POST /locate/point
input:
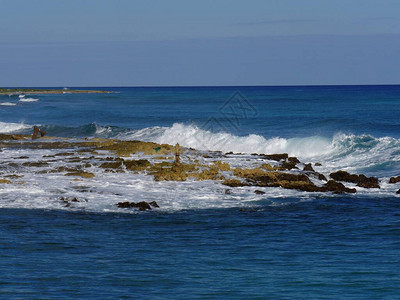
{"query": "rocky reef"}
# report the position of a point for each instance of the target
(85, 159)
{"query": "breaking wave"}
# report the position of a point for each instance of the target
(13, 127)
(352, 152)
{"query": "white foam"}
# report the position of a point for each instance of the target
(12, 127)
(8, 104)
(193, 136)
(28, 100)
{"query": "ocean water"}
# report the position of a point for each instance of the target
(200, 244)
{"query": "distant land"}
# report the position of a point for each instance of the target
(4, 91)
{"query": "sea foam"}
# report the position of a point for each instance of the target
(13, 127)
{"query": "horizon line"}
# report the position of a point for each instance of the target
(199, 86)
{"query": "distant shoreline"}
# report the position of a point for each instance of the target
(50, 91)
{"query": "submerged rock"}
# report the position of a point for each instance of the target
(258, 192)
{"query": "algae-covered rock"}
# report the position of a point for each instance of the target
(136, 165)
(211, 173)
(234, 183)
(175, 173)
(81, 174)
(112, 165)
(35, 164)
(222, 166)
(127, 148)
(11, 137)
(5, 181)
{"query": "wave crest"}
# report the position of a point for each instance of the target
(13, 127)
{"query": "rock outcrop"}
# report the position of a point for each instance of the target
(142, 206)
(394, 179)
(360, 180)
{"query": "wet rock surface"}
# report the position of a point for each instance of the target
(360, 180)
(394, 179)
(142, 206)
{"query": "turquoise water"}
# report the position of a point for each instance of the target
(285, 245)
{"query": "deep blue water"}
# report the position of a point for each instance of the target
(344, 247)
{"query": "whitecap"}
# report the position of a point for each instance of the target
(28, 100)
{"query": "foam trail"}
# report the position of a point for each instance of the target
(28, 100)
(7, 104)
(13, 127)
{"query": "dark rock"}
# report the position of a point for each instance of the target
(154, 204)
(317, 164)
(394, 179)
(258, 192)
(368, 182)
(137, 165)
(336, 187)
(293, 159)
(288, 165)
(308, 167)
(234, 183)
(360, 180)
(35, 164)
(143, 205)
(398, 192)
(322, 177)
(228, 191)
(276, 157)
(111, 165)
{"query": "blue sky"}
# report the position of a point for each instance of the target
(146, 43)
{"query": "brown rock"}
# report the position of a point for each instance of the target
(336, 187)
(233, 183)
(394, 179)
(322, 177)
(276, 157)
(308, 167)
(360, 180)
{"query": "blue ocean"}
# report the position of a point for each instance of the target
(204, 242)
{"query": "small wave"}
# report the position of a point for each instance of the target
(28, 100)
(7, 104)
(13, 127)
